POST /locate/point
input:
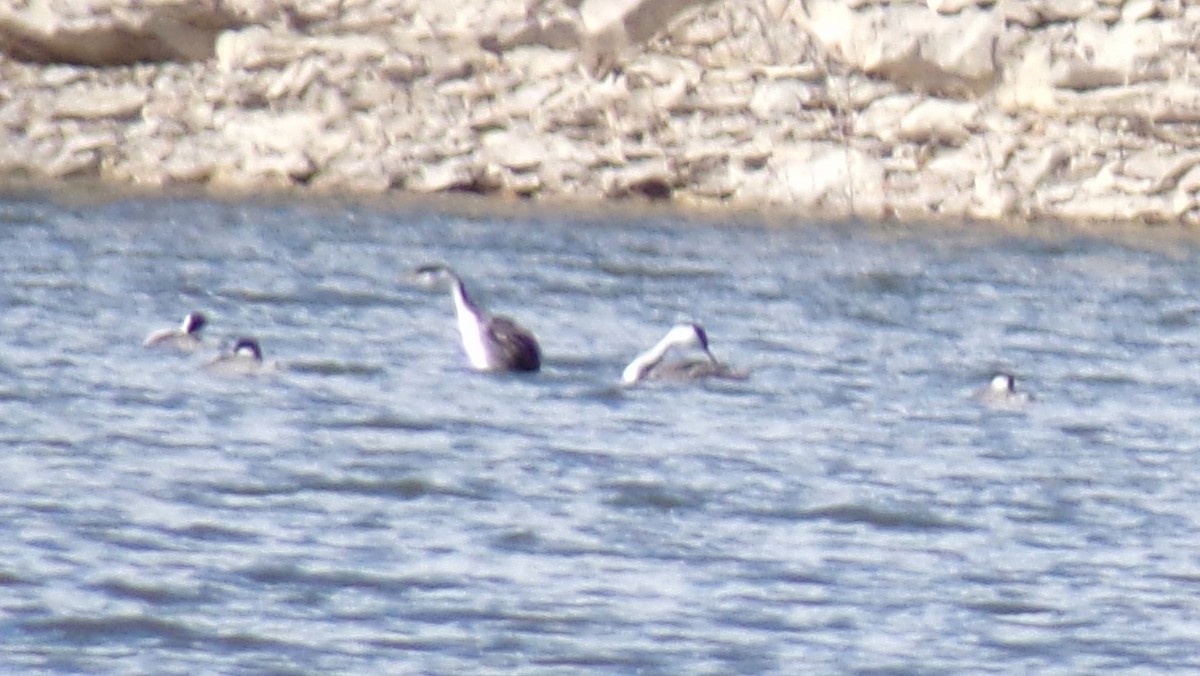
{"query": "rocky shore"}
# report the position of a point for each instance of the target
(1077, 110)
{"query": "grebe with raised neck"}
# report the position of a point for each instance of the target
(185, 337)
(492, 342)
(1002, 389)
(649, 365)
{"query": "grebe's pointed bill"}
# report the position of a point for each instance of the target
(649, 365)
(185, 338)
(492, 343)
(1002, 390)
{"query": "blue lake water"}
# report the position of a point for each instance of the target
(374, 506)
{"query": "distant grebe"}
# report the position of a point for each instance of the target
(244, 357)
(1002, 389)
(492, 342)
(649, 365)
(184, 338)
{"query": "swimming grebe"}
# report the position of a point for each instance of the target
(244, 357)
(1002, 389)
(184, 338)
(649, 364)
(492, 342)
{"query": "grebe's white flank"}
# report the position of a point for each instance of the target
(492, 342)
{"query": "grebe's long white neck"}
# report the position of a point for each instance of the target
(491, 343)
(471, 324)
(681, 335)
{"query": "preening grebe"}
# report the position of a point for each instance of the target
(492, 343)
(649, 365)
(184, 338)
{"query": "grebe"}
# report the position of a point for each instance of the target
(492, 342)
(245, 357)
(1002, 389)
(184, 338)
(649, 364)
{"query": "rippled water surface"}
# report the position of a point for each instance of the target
(376, 507)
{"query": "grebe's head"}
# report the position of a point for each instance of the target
(688, 334)
(247, 348)
(1003, 383)
(434, 272)
(193, 322)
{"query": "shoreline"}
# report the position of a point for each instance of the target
(84, 192)
(948, 110)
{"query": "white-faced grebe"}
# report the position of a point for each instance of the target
(492, 342)
(649, 365)
(186, 337)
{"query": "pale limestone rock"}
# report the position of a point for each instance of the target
(539, 64)
(98, 141)
(1189, 182)
(651, 178)
(1136, 10)
(992, 199)
(1102, 56)
(909, 45)
(294, 79)
(258, 47)
(613, 27)
(1134, 208)
(189, 164)
(1175, 101)
(67, 164)
(270, 133)
(157, 30)
(61, 76)
(519, 153)
(773, 99)
(90, 104)
(829, 177)
(957, 169)
(637, 20)
(1160, 170)
(951, 6)
(658, 69)
(1030, 173)
(1086, 117)
(1064, 10)
(560, 31)
(881, 118)
(251, 171)
(356, 175)
(939, 121)
(455, 173)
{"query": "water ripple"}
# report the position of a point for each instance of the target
(378, 507)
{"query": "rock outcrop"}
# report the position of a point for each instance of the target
(985, 109)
